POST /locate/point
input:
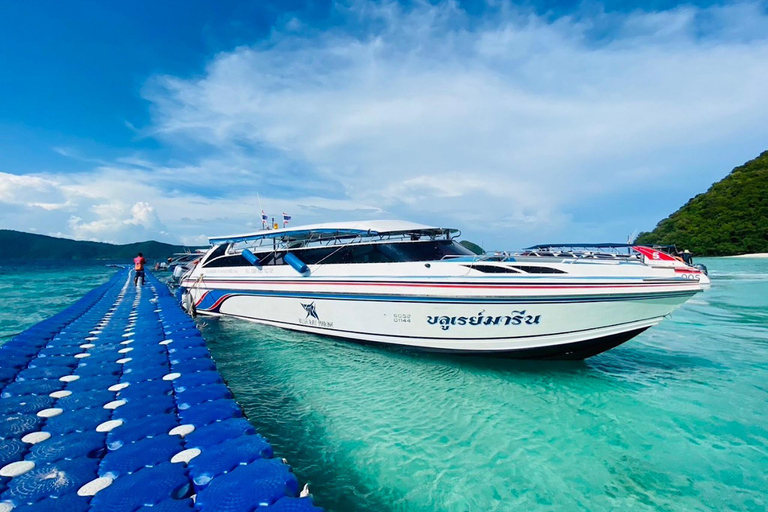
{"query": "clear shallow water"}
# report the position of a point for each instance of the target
(32, 292)
(676, 419)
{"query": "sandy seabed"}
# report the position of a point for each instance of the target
(753, 255)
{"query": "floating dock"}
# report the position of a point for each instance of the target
(115, 405)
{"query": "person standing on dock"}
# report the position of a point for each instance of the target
(138, 267)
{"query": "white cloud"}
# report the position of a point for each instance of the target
(139, 221)
(31, 191)
(519, 114)
(69, 208)
(510, 125)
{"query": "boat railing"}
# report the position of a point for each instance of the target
(277, 244)
(600, 251)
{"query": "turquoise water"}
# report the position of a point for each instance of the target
(676, 419)
(33, 292)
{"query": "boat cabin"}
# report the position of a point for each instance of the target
(340, 244)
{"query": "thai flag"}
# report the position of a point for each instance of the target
(263, 219)
(286, 219)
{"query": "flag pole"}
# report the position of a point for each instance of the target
(261, 213)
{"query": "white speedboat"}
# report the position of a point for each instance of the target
(412, 285)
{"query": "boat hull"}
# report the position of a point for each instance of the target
(547, 327)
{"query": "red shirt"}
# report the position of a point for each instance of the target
(138, 262)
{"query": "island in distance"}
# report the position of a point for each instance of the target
(17, 245)
(731, 218)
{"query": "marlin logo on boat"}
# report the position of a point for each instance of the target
(312, 317)
(514, 318)
(310, 309)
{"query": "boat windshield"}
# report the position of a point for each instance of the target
(381, 252)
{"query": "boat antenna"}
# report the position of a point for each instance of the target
(631, 240)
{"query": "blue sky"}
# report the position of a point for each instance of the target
(517, 122)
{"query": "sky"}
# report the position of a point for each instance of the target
(517, 122)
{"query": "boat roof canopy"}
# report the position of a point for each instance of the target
(337, 230)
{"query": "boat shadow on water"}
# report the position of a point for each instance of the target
(621, 363)
(650, 361)
(631, 359)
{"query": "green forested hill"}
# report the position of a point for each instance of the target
(16, 245)
(729, 218)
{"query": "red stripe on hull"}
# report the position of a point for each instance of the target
(201, 298)
(438, 285)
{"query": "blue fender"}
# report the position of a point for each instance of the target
(298, 265)
(252, 259)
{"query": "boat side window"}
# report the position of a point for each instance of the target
(220, 250)
(272, 258)
(316, 255)
(433, 250)
(531, 269)
(492, 269)
(369, 253)
(429, 250)
(233, 260)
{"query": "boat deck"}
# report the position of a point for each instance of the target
(115, 405)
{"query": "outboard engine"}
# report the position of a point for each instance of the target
(701, 267)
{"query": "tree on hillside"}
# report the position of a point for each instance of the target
(729, 218)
